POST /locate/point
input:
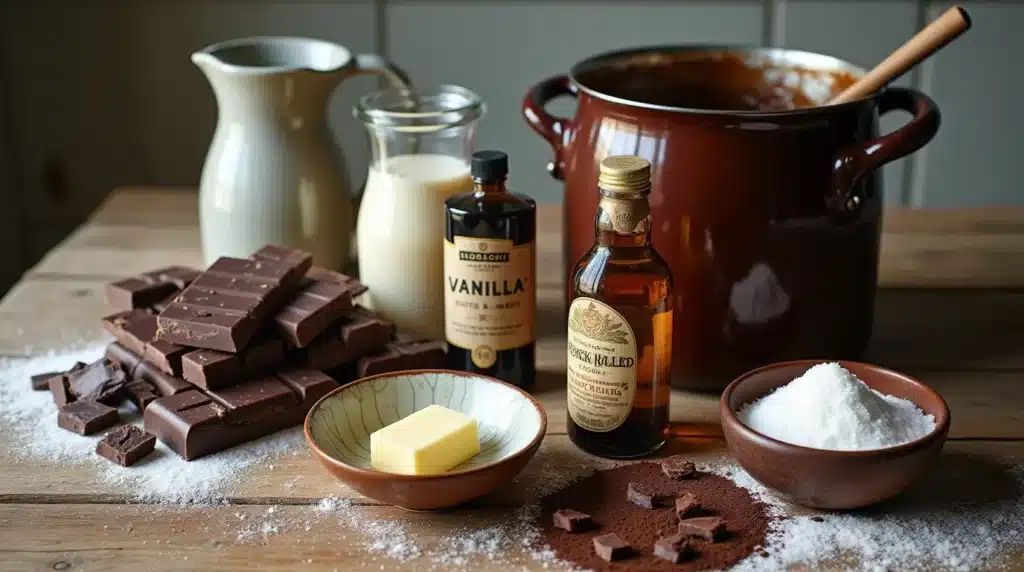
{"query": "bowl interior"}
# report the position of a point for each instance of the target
(341, 424)
(761, 382)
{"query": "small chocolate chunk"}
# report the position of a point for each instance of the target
(141, 394)
(678, 468)
(126, 445)
(59, 390)
(817, 519)
(706, 527)
(571, 520)
(686, 505)
(99, 381)
(609, 547)
(41, 381)
(675, 548)
(86, 417)
(644, 497)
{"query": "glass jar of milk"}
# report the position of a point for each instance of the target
(422, 141)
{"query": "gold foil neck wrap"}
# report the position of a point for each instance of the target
(625, 174)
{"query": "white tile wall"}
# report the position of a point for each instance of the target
(106, 91)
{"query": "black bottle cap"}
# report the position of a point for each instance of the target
(489, 165)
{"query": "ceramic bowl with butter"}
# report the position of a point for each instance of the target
(510, 427)
(831, 479)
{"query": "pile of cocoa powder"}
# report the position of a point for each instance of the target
(603, 496)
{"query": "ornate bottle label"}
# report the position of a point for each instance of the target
(489, 296)
(601, 366)
(625, 214)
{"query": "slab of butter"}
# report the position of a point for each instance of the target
(428, 442)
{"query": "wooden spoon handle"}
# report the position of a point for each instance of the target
(934, 36)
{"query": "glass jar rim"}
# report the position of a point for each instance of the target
(420, 110)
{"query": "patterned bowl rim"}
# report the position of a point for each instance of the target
(373, 473)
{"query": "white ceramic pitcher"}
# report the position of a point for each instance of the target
(274, 173)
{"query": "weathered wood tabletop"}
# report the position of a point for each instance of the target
(950, 310)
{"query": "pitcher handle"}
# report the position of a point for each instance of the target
(378, 65)
(556, 130)
(855, 161)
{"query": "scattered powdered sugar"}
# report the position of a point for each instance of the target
(967, 513)
(30, 420)
(837, 411)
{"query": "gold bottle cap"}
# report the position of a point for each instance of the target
(625, 174)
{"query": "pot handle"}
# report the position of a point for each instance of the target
(857, 160)
(556, 130)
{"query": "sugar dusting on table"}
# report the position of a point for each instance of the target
(968, 513)
(31, 434)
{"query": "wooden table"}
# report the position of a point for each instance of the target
(950, 310)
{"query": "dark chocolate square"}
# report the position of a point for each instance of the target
(571, 520)
(707, 527)
(86, 417)
(126, 445)
(643, 497)
(609, 547)
(678, 468)
(675, 548)
(99, 381)
(686, 505)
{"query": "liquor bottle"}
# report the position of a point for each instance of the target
(620, 323)
(490, 292)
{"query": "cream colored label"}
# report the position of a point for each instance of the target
(601, 366)
(625, 214)
(489, 296)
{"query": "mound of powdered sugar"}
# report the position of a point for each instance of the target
(830, 408)
(29, 419)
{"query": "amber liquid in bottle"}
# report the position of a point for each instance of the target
(620, 324)
(490, 266)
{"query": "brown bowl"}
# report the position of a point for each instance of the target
(824, 479)
(511, 427)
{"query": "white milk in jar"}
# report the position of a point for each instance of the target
(400, 238)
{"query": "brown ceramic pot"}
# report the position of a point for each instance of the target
(769, 217)
(831, 479)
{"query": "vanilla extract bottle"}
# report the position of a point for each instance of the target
(620, 324)
(489, 271)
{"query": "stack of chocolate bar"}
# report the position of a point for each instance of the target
(217, 358)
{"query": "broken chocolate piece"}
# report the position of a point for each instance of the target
(675, 548)
(644, 497)
(610, 547)
(571, 520)
(141, 394)
(149, 288)
(686, 505)
(99, 381)
(41, 381)
(817, 519)
(706, 527)
(678, 468)
(212, 369)
(86, 417)
(126, 445)
(359, 333)
(59, 390)
(399, 356)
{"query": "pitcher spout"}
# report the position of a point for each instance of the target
(266, 55)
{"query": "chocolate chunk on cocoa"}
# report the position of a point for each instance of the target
(99, 381)
(686, 505)
(126, 445)
(86, 417)
(675, 548)
(642, 496)
(571, 520)
(678, 468)
(707, 527)
(609, 547)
